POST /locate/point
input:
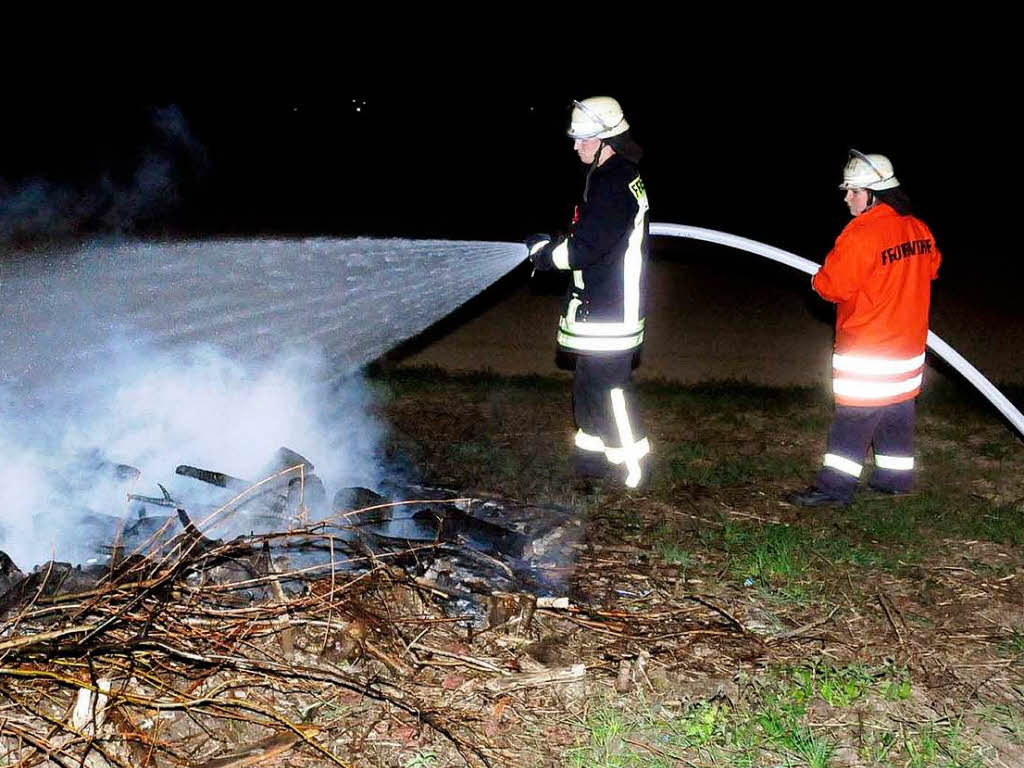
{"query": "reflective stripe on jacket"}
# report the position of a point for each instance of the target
(879, 274)
(607, 254)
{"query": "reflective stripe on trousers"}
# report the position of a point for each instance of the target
(606, 420)
(889, 429)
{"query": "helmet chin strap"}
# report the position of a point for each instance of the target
(593, 165)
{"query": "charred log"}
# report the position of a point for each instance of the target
(453, 525)
(219, 479)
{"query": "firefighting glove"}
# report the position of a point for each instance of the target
(536, 243)
(539, 249)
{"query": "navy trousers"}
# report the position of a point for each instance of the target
(889, 429)
(610, 438)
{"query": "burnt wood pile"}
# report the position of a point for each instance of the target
(405, 618)
(130, 661)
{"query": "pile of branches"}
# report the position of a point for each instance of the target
(209, 654)
(206, 653)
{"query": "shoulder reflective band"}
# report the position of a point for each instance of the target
(843, 464)
(937, 345)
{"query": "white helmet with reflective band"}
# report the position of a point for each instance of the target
(868, 172)
(599, 117)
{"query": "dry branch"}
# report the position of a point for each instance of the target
(573, 674)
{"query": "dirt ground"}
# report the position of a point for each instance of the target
(697, 597)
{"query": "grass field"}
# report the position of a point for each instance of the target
(752, 633)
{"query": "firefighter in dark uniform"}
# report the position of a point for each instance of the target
(602, 323)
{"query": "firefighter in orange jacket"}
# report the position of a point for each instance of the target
(879, 274)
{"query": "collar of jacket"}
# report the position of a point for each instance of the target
(880, 211)
(611, 163)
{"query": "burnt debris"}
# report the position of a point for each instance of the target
(467, 547)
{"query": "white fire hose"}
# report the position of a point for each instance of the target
(941, 348)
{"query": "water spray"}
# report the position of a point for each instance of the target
(210, 353)
(937, 345)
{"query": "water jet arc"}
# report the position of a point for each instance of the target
(936, 344)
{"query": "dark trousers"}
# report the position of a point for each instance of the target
(604, 412)
(889, 428)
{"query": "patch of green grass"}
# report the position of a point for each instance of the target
(876, 746)
(812, 422)
(774, 558)
(425, 758)
(707, 464)
(1008, 719)
(770, 724)
(896, 688)
(781, 722)
(609, 733)
(935, 513)
(692, 463)
(731, 396)
(1003, 524)
(948, 745)
(699, 725)
(783, 467)
(957, 747)
(921, 749)
(815, 750)
(778, 554)
(840, 550)
(995, 450)
(1013, 644)
(890, 521)
(783, 560)
(838, 686)
(674, 554)
(732, 536)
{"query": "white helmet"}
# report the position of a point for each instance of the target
(868, 172)
(599, 117)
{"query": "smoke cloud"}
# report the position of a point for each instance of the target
(61, 491)
(46, 208)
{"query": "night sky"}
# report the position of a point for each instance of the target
(758, 154)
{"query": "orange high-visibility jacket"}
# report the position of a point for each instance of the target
(879, 273)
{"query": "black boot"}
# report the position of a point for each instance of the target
(815, 497)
